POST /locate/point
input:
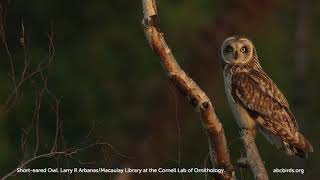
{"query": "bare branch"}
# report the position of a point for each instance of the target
(38, 78)
(68, 152)
(253, 159)
(220, 157)
(12, 75)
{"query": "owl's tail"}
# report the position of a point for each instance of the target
(297, 145)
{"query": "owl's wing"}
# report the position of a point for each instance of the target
(259, 94)
(256, 92)
(269, 87)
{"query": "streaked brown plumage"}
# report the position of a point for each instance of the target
(256, 101)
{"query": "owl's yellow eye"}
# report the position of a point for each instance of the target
(244, 49)
(229, 49)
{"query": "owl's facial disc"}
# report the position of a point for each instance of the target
(236, 50)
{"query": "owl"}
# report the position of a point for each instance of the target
(255, 100)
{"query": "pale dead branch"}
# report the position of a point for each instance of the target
(252, 159)
(219, 153)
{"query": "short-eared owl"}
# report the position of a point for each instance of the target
(256, 101)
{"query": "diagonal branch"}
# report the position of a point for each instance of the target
(252, 159)
(219, 153)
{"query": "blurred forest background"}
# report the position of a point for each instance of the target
(91, 73)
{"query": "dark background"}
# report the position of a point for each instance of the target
(112, 88)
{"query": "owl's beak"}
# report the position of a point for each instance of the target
(236, 55)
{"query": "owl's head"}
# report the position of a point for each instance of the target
(237, 50)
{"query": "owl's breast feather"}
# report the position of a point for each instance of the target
(241, 115)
